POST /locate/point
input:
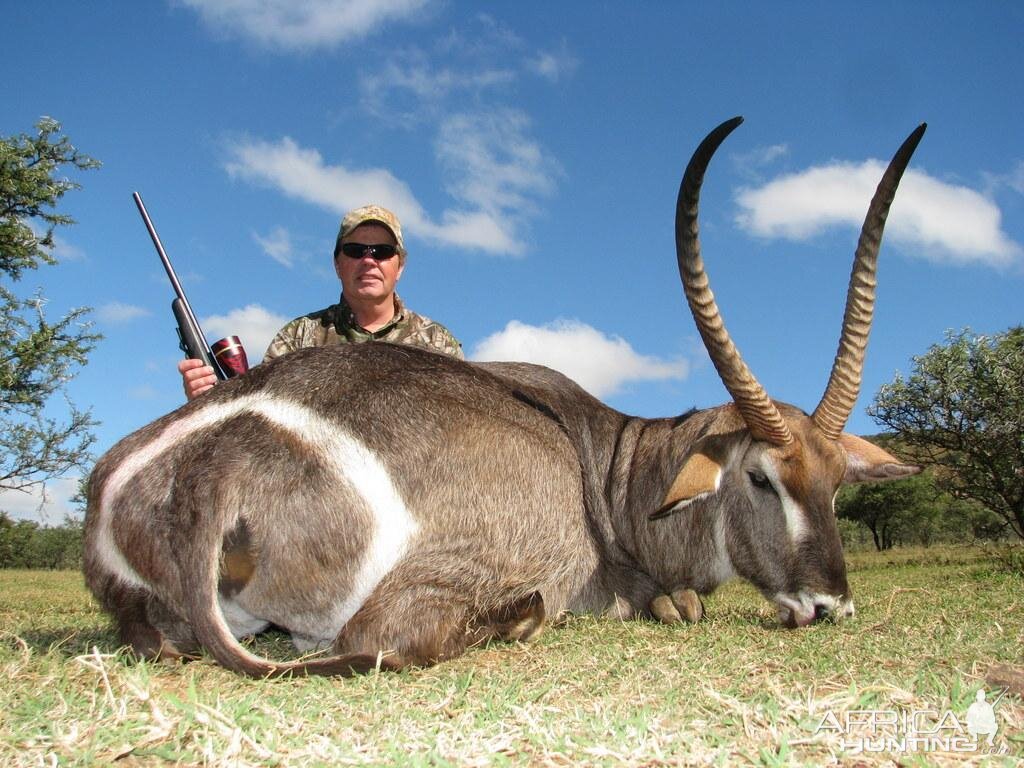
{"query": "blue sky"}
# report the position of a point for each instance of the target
(533, 152)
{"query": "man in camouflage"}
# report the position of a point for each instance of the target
(337, 324)
(369, 257)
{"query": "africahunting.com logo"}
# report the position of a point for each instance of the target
(917, 730)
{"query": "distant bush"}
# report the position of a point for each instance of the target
(1011, 558)
(914, 511)
(25, 544)
(856, 537)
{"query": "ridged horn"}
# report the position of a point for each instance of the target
(844, 382)
(760, 414)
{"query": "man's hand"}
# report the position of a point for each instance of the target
(196, 378)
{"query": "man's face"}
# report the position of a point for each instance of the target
(366, 278)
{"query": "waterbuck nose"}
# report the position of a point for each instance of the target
(834, 612)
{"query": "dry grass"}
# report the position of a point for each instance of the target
(733, 689)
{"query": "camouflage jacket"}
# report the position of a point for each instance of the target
(337, 325)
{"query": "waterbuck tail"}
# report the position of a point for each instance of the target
(200, 573)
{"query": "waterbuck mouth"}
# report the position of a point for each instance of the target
(804, 608)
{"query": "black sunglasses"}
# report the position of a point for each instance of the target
(377, 252)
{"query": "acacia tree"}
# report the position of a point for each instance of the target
(37, 358)
(912, 510)
(880, 508)
(961, 411)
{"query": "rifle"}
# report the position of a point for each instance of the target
(190, 336)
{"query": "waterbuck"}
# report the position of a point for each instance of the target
(398, 505)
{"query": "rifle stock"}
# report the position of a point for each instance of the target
(190, 339)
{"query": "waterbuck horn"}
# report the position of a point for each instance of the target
(759, 413)
(844, 383)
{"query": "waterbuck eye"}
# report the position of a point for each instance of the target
(759, 480)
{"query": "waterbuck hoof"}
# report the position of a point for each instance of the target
(682, 605)
(148, 644)
(522, 621)
(689, 604)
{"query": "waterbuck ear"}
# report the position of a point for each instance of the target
(699, 478)
(867, 462)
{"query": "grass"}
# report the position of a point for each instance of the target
(733, 689)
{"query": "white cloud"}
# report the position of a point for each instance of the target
(492, 162)
(65, 251)
(474, 229)
(751, 164)
(1016, 178)
(467, 66)
(946, 222)
(600, 364)
(117, 313)
(302, 174)
(554, 65)
(61, 249)
(48, 504)
(496, 172)
(383, 91)
(481, 35)
(277, 245)
(460, 88)
(253, 324)
(302, 25)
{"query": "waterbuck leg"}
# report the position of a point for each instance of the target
(177, 639)
(417, 627)
(128, 606)
(425, 625)
(139, 619)
(520, 621)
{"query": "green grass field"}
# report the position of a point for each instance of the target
(733, 689)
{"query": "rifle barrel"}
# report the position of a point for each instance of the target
(169, 268)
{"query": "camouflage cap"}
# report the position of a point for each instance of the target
(374, 213)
